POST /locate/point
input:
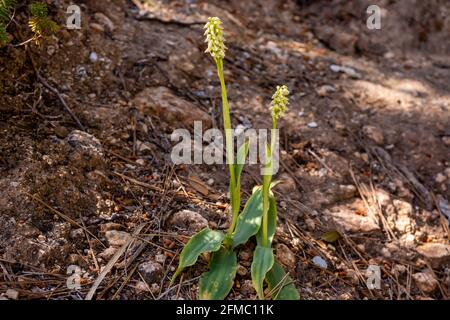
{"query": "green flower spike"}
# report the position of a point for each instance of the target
(214, 38)
(280, 102)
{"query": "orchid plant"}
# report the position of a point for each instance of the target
(264, 266)
(258, 217)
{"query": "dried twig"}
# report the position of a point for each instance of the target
(55, 92)
(111, 263)
(62, 215)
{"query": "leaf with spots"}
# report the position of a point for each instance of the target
(218, 281)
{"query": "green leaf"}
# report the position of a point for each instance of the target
(218, 281)
(206, 240)
(241, 156)
(39, 10)
(271, 222)
(331, 236)
(3, 36)
(6, 9)
(262, 262)
(280, 284)
(249, 220)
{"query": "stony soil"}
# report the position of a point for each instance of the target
(365, 147)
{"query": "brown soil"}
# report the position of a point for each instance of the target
(365, 153)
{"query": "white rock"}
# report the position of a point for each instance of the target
(389, 55)
(347, 70)
(93, 57)
(320, 262)
(312, 124)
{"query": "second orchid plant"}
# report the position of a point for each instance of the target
(257, 218)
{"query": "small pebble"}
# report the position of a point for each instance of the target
(440, 178)
(93, 57)
(320, 262)
(12, 294)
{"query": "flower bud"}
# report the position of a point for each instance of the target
(214, 38)
(280, 102)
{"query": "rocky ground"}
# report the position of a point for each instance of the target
(364, 149)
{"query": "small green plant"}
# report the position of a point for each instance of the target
(4, 39)
(259, 209)
(40, 23)
(218, 281)
(6, 11)
(264, 266)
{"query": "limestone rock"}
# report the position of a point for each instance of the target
(437, 254)
(189, 220)
(169, 107)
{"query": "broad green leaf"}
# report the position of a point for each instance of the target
(218, 281)
(206, 240)
(331, 236)
(280, 284)
(249, 220)
(272, 222)
(262, 262)
(241, 157)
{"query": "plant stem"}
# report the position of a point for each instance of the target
(234, 188)
(266, 185)
(265, 220)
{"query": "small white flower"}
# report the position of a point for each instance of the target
(214, 38)
(280, 102)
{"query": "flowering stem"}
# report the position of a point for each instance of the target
(234, 188)
(266, 185)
